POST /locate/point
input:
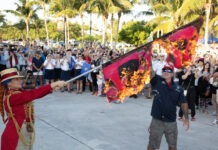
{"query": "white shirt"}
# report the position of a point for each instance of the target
(64, 65)
(50, 65)
(79, 64)
(46, 47)
(154, 64)
(58, 63)
(158, 67)
(199, 74)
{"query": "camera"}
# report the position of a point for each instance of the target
(12, 48)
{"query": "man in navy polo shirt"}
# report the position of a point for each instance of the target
(167, 96)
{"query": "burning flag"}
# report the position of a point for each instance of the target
(180, 44)
(128, 74)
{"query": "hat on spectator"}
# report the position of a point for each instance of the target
(68, 50)
(200, 59)
(9, 74)
(168, 68)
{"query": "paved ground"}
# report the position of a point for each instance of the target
(84, 122)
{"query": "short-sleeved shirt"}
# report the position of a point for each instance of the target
(50, 65)
(166, 99)
(38, 63)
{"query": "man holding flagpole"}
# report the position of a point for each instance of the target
(167, 95)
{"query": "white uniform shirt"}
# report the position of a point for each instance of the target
(80, 64)
(64, 65)
(50, 65)
(58, 63)
(199, 74)
(154, 64)
(158, 67)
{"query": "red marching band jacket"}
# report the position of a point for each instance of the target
(15, 102)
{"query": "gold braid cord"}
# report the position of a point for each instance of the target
(2, 93)
(23, 139)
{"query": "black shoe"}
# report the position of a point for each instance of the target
(135, 96)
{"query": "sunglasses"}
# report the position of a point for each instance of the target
(167, 70)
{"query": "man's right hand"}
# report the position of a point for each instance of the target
(58, 84)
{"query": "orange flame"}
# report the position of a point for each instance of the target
(135, 84)
(186, 58)
(133, 81)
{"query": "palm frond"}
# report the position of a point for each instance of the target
(190, 6)
(212, 22)
(157, 20)
(14, 12)
(166, 26)
(160, 8)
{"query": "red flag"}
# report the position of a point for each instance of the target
(180, 44)
(128, 74)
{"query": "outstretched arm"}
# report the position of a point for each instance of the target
(28, 96)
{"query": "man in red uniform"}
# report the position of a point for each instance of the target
(19, 132)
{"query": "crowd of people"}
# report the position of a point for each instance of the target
(42, 65)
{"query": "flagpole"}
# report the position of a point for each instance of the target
(77, 77)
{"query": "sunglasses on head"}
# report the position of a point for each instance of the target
(167, 70)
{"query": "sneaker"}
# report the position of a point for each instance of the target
(215, 121)
(193, 119)
(148, 97)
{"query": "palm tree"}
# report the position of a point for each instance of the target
(64, 8)
(25, 11)
(165, 11)
(207, 6)
(42, 4)
(2, 19)
(20, 28)
(172, 14)
(37, 24)
(124, 6)
(83, 6)
(123, 12)
(104, 8)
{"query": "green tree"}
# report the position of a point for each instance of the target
(65, 9)
(83, 6)
(19, 29)
(172, 14)
(104, 8)
(123, 11)
(2, 19)
(124, 5)
(36, 25)
(135, 33)
(24, 11)
(42, 4)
